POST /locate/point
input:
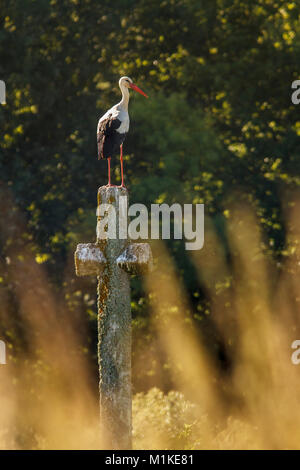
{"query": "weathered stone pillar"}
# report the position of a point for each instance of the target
(113, 258)
(114, 330)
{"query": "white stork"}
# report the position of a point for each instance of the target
(114, 125)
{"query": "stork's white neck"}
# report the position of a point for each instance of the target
(125, 97)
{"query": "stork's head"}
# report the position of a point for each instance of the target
(126, 82)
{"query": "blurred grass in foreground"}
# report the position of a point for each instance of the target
(48, 397)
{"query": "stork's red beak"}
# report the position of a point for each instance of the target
(136, 88)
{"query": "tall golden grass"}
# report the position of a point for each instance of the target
(48, 398)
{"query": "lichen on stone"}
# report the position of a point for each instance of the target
(136, 258)
(89, 259)
(112, 260)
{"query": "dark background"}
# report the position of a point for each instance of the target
(219, 126)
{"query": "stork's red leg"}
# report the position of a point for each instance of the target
(121, 160)
(108, 160)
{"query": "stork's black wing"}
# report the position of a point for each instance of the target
(106, 136)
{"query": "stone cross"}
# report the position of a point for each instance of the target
(113, 260)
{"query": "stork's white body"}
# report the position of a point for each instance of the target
(119, 113)
(114, 125)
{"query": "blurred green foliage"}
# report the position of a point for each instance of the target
(175, 423)
(171, 421)
(219, 122)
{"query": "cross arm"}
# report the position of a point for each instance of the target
(89, 260)
(136, 258)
